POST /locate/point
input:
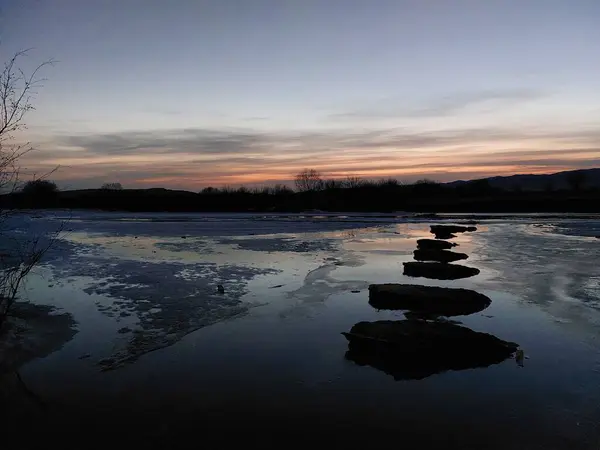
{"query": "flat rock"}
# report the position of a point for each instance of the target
(444, 235)
(438, 271)
(438, 229)
(443, 256)
(416, 349)
(434, 244)
(427, 300)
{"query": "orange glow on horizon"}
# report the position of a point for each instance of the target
(188, 170)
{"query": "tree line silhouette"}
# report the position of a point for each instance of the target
(313, 192)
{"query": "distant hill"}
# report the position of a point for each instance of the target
(554, 181)
(573, 191)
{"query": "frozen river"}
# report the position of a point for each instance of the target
(158, 355)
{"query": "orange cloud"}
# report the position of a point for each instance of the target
(197, 158)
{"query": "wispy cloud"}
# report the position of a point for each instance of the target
(196, 157)
(443, 106)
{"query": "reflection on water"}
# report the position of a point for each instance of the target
(415, 349)
(261, 359)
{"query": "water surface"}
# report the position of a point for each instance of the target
(161, 357)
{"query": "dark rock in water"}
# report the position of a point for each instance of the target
(427, 300)
(433, 244)
(444, 235)
(438, 271)
(220, 289)
(440, 229)
(443, 256)
(415, 349)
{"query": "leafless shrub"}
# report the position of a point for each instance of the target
(17, 90)
(309, 180)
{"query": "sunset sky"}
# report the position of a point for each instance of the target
(187, 94)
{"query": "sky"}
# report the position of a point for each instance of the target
(188, 94)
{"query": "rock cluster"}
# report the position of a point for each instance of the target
(426, 343)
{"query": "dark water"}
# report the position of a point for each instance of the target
(269, 366)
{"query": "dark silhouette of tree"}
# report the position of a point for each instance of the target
(388, 182)
(16, 93)
(425, 187)
(40, 194)
(40, 189)
(576, 180)
(308, 180)
(281, 189)
(352, 182)
(385, 195)
(332, 184)
(112, 187)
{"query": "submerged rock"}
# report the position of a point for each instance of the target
(427, 300)
(438, 271)
(416, 349)
(434, 244)
(443, 256)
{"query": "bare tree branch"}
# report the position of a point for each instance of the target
(18, 257)
(308, 180)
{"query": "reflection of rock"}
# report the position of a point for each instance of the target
(435, 229)
(433, 244)
(443, 256)
(438, 271)
(427, 300)
(415, 349)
